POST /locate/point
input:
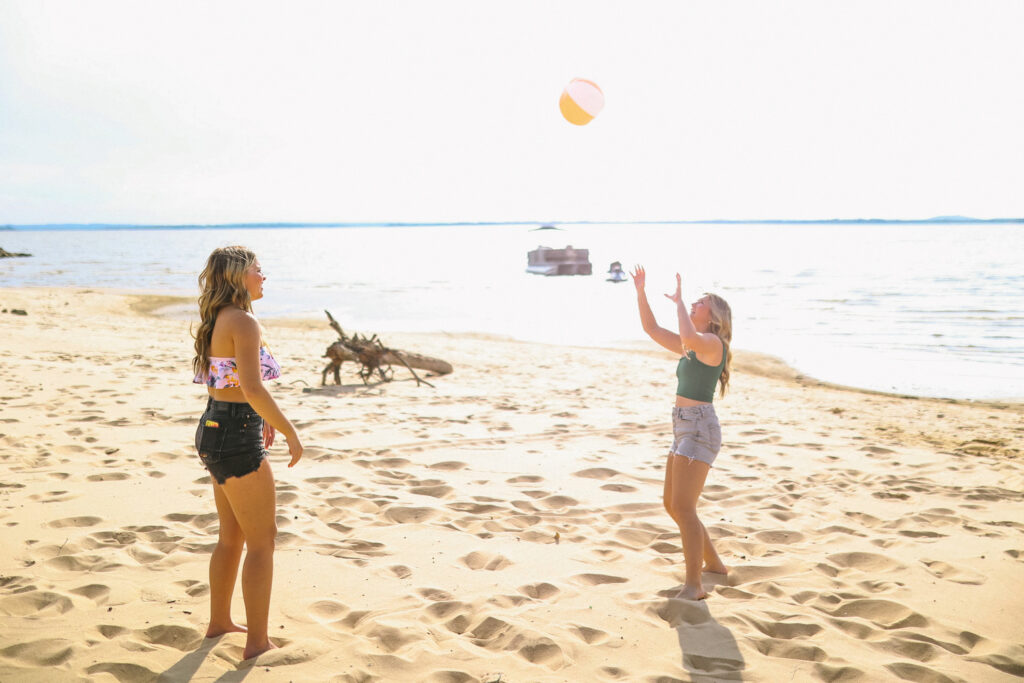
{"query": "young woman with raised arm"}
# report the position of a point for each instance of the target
(702, 340)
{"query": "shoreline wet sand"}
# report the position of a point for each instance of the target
(505, 525)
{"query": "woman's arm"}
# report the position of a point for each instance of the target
(705, 344)
(665, 338)
(246, 333)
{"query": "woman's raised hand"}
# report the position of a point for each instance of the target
(677, 296)
(639, 277)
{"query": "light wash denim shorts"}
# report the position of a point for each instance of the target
(698, 436)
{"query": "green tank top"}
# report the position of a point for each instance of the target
(697, 380)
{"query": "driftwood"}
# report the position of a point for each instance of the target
(374, 357)
(10, 254)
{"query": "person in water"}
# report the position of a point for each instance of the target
(234, 433)
(705, 332)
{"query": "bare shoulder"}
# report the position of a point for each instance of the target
(711, 350)
(236, 321)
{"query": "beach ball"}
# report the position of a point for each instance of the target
(581, 101)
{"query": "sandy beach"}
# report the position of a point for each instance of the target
(504, 526)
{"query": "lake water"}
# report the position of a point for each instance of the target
(930, 310)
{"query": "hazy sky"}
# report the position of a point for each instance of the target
(436, 110)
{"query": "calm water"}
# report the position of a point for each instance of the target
(932, 310)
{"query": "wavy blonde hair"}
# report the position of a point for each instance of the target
(222, 283)
(721, 325)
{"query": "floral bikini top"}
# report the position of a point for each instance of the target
(223, 372)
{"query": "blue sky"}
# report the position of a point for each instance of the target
(205, 112)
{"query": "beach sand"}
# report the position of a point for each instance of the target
(505, 525)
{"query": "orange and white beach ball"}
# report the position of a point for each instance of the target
(581, 101)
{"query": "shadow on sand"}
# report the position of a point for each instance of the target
(709, 650)
(186, 667)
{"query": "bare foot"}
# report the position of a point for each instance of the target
(220, 629)
(718, 568)
(254, 651)
(692, 593)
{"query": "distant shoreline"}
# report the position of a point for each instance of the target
(941, 220)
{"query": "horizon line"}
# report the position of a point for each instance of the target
(341, 224)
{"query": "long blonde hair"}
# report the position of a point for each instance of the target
(721, 325)
(222, 283)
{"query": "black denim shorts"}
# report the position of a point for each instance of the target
(230, 439)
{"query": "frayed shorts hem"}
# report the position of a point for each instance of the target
(697, 434)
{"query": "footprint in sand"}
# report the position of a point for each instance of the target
(558, 502)
(677, 613)
(194, 588)
(489, 630)
(109, 539)
(401, 571)
(449, 465)
(597, 473)
(915, 672)
(451, 676)
(525, 479)
(409, 515)
(83, 563)
(786, 630)
(635, 538)
(458, 624)
(433, 491)
(787, 650)
(480, 560)
(52, 497)
(544, 651)
(110, 631)
(392, 639)
(590, 636)
(620, 488)
(35, 603)
(325, 482)
(877, 450)
(596, 579)
(82, 521)
(326, 611)
(171, 635)
(539, 591)
(885, 614)
(435, 594)
(779, 537)
(756, 573)
(391, 463)
(351, 503)
(865, 562)
(476, 508)
(96, 592)
(951, 573)
(47, 652)
(446, 610)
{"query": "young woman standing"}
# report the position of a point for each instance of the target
(702, 341)
(239, 424)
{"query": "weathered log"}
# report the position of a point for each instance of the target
(373, 356)
(10, 254)
(395, 357)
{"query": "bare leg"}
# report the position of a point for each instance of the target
(253, 501)
(224, 568)
(712, 562)
(684, 482)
